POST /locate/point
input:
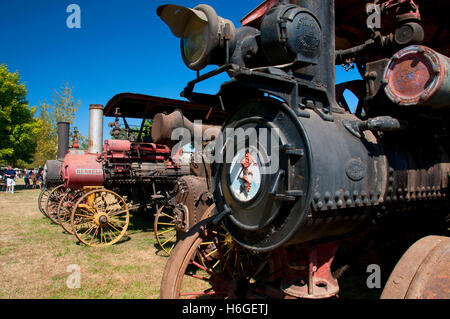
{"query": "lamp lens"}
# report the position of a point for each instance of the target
(195, 41)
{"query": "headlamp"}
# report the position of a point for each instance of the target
(205, 37)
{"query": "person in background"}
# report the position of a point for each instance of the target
(41, 177)
(10, 182)
(34, 179)
(26, 179)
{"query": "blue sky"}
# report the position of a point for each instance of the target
(122, 46)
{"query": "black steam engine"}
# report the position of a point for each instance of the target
(288, 204)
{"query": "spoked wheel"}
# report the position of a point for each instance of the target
(53, 200)
(165, 228)
(42, 200)
(207, 263)
(66, 206)
(100, 218)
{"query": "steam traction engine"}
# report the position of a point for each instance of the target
(104, 181)
(53, 190)
(345, 182)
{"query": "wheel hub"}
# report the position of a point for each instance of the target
(101, 219)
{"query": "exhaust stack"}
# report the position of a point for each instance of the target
(63, 140)
(95, 129)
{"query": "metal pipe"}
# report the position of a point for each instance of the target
(95, 128)
(63, 140)
(324, 71)
(163, 126)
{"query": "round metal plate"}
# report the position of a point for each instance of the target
(413, 76)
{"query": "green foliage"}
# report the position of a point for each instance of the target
(18, 128)
(63, 108)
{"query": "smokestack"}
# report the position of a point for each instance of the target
(324, 71)
(95, 128)
(63, 140)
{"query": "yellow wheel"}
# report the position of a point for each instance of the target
(166, 227)
(100, 218)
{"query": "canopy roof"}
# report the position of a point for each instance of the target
(132, 105)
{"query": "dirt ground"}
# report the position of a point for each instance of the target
(35, 255)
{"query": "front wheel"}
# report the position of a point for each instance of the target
(100, 218)
(208, 263)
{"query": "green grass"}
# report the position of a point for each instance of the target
(34, 255)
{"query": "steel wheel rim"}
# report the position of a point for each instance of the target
(65, 208)
(42, 200)
(53, 201)
(216, 260)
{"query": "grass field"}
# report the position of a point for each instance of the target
(35, 255)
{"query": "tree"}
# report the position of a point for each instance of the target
(18, 128)
(62, 109)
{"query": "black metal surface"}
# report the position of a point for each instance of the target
(63, 139)
(52, 173)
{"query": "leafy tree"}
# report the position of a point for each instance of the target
(18, 128)
(63, 108)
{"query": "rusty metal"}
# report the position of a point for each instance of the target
(310, 278)
(422, 272)
(193, 195)
(418, 75)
